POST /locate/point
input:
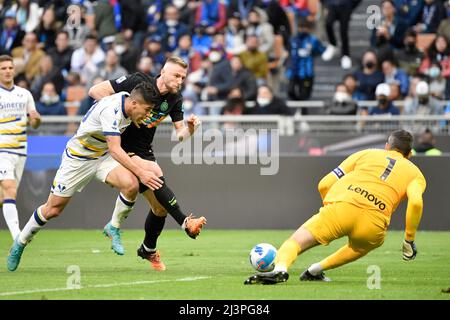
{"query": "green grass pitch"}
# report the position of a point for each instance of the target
(214, 267)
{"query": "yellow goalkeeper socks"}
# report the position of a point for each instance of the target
(286, 255)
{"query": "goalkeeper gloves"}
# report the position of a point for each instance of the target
(409, 250)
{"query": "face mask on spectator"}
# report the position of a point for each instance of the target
(171, 23)
(410, 46)
(179, 3)
(369, 64)
(341, 96)
(47, 99)
(434, 72)
(382, 100)
(263, 101)
(215, 56)
(119, 49)
(423, 99)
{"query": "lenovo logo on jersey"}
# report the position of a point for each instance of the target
(378, 203)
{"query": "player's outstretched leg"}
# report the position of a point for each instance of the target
(272, 277)
(113, 233)
(192, 226)
(15, 253)
(153, 227)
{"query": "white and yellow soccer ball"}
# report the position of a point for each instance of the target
(262, 257)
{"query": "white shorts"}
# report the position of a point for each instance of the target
(11, 166)
(73, 174)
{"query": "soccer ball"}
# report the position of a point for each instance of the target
(262, 257)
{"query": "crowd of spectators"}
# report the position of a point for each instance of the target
(238, 51)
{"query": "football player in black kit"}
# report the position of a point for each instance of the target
(137, 142)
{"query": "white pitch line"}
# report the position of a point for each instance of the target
(107, 285)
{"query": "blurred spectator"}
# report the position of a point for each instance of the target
(145, 65)
(300, 69)
(255, 60)
(86, 60)
(154, 50)
(133, 20)
(437, 81)
(75, 93)
(350, 82)
(186, 9)
(154, 14)
(198, 80)
(220, 78)
(242, 7)
(110, 68)
(234, 35)
(78, 35)
(170, 29)
(61, 54)
(268, 103)
(426, 145)
(22, 82)
(201, 40)
(278, 19)
(444, 26)
(408, 10)
(395, 91)
(423, 103)
(433, 13)
(234, 106)
(48, 29)
(410, 57)
(236, 92)
(47, 73)
(384, 105)
(49, 103)
(342, 102)
(243, 78)
(28, 55)
(369, 77)
(105, 24)
(258, 25)
(87, 102)
(439, 52)
(391, 29)
(28, 14)
(394, 74)
(187, 53)
(338, 10)
(11, 35)
(213, 14)
(127, 52)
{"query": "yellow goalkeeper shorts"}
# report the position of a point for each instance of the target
(365, 228)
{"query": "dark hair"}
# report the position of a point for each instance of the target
(304, 23)
(340, 84)
(401, 140)
(411, 33)
(145, 92)
(63, 32)
(5, 57)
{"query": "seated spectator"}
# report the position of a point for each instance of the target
(300, 69)
(104, 19)
(437, 81)
(393, 74)
(11, 35)
(444, 26)
(154, 50)
(391, 29)
(201, 40)
(426, 145)
(408, 10)
(61, 54)
(350, 82)
(439, 52)
(87, 102)
(432, 14)
(170, 29)
(28, 55)
(220, 77)
(187, 53)
(234, 106)
(369, 77)
(49, 103)
(395, 90)
(255, 60)
(259, 26)
(75, 93)
(423, 103)
(47, 73)
(86, 59)
(410, 57)
(268, 103)
(234, 35)
(145, 65)
(28, 14)
(48, 29)
(243, 78)
(342, 103)
(213, 14)
(384, 105)
(127, 52)
(111, 68)
(242, 7)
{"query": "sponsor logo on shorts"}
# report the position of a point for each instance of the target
(369, 196)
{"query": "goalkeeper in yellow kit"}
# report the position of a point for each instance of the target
(359, 198)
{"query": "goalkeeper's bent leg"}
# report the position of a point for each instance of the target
(344, 255)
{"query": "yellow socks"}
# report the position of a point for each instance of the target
(286, 255)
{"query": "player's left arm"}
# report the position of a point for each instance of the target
(183, 132)
(33, 115)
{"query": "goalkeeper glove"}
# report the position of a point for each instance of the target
(409, 250)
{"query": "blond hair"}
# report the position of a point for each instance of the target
(178, 61)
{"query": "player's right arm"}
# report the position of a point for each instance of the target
(344, 168)
(101, 90)
(109, 87)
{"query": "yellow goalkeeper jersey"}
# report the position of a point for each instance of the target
(374, 179)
